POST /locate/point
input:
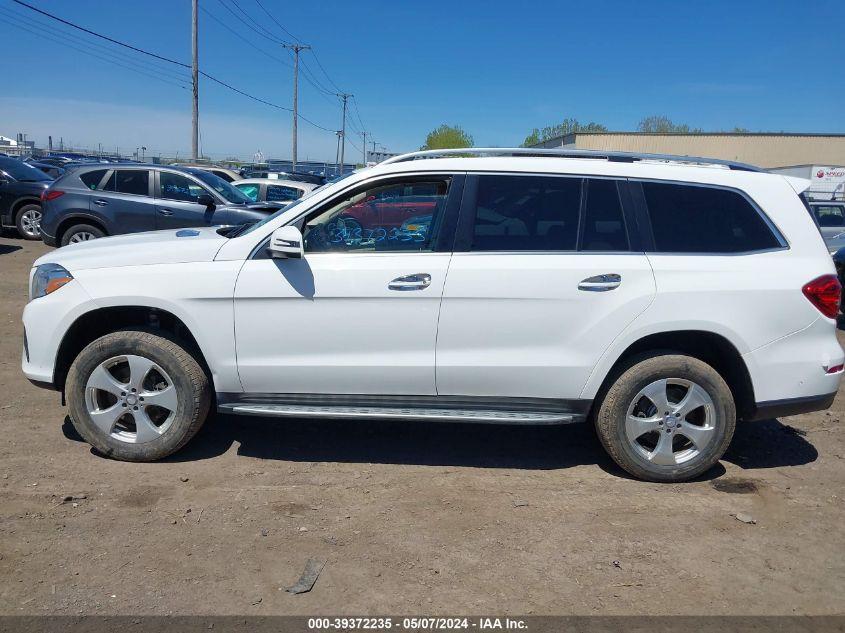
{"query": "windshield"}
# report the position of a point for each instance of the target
(222, 187)
(23, 172)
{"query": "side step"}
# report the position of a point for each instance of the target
(403, 413)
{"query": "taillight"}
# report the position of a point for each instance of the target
(51, 194)
(824, 292)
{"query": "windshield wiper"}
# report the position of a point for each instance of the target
(240, 228)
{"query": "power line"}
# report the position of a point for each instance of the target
(104, 37)
(92, 54)
(238, 35)
(279, 24)
(250, 18)
(166, 59)
(247, 24)
(147, 65)
(317, 59)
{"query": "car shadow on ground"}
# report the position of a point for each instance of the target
(765, 444)
(9, 248)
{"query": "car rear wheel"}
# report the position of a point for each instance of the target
(81, 233)
(137, 396)
(667, 418)
(28, 221)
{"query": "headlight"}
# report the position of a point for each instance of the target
(48, 278)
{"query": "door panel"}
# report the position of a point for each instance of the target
(517, 324)
(176, 206)
(329, 323)
(125, 212)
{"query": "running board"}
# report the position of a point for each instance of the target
(401, 413)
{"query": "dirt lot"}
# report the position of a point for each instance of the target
(411, 518)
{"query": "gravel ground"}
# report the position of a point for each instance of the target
(410, 518)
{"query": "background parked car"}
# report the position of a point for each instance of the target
(296, 176)
(229, 175)
(21, 186)
(270, 190)
(51, 170)
(98, 200)
(830, 216)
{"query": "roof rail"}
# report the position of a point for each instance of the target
(617, 157)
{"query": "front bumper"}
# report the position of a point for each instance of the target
(46, 321)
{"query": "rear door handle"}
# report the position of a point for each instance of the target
(601, 283)
(418, 281)
(165, 212)
(100, 202)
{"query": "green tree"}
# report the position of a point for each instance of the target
(659, 124)
(447, 137)
(567, 126)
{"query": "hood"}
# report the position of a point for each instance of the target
(173, 246)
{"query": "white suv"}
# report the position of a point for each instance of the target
(661, 298)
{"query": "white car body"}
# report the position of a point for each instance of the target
(511, 325)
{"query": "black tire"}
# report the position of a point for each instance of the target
(611, 417)
(81, 229)
(190, 381)
(25, 227)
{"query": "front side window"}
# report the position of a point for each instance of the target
(832, 215)
(249, 190)
(401, 216)
(280, 193)
(178, 187)
(697, 219)
(131, 181)
(526, 213)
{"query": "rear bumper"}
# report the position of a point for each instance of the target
(790, 406)
(49, 240)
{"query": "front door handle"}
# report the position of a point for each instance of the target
(418, 281)
(165, 212)
(601, 283)
(100, 202)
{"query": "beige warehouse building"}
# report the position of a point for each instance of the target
(766, 150)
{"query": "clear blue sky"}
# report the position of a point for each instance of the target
(496, 68)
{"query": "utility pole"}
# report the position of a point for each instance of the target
(364, 145)
(345, 96)
(195, 112)
(295, 48)
(337, 154)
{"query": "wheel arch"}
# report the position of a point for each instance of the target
(710, 347)
(104, 320)
(21, 202)
(68, 222)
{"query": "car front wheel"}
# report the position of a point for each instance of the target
(667, 418)
(137, 396)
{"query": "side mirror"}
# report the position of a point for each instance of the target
(207, 201)
(286, 241)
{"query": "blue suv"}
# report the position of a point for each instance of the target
(98, 200)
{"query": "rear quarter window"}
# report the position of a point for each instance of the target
(700, 219)
(92, 178)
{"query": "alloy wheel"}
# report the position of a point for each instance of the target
(81, 236)
(131, 398)
(671, 421)
(30, 222)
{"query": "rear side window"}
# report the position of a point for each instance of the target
(526, 213)
(92, 178)
(279, 193)
(132, 181)
(830, 215)
(604, 223)
(695, 219)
